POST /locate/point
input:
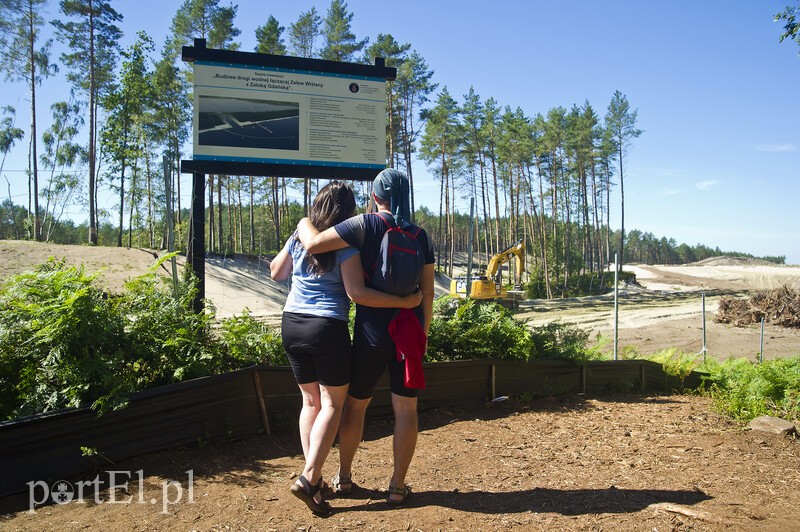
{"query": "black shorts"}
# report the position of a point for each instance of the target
(369, 362)
(318, 348)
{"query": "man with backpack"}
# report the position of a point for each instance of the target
(395, 255)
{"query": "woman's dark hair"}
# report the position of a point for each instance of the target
(334, 203)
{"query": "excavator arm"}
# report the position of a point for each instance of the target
(488, 287)
(517, 252)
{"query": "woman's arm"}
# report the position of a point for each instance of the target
(281, 266)
(426, 285)
(353, 277)
(316, 242)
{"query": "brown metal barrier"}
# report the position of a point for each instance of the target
(258, 400)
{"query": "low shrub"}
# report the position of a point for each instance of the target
(471, 329)
(468, 329)
(557, 340)
(66, 343)
(248, 342)
(62, 341)
(676, 362)
(745, 390)
(166, 340)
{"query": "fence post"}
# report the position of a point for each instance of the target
(492, 381)
(641, 376)
(583, 378)
(705, 346)
(261, 406)
(616, 307)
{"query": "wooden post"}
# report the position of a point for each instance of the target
(492, 382)
(197, 245)
(641, 376)
(583, 378)
(261, 406)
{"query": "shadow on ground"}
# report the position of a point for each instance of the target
(539, 500)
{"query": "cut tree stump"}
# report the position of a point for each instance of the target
(773, 425)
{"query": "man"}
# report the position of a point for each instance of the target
(373, 348)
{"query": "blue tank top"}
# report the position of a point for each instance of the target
(322, 295)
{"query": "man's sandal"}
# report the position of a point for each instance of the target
(342, 484)
(404, 491)
(306, 493)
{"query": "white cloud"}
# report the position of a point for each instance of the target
(673, 192)
(776, 147)
(706, 185)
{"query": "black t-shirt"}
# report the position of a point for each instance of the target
(365, 232)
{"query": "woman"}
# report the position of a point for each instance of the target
(315, 334)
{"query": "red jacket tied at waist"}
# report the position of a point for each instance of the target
(410, 340)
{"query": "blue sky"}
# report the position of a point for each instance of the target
(717, 95)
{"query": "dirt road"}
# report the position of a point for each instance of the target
(665, 310)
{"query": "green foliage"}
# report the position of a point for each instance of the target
(65, 343)
(745, 390)
(248, 341)
(561, 341)
(167, 341)
(61, 341)
(464, 330)
(676, 362)
(790, 28)
(340, 42)
(471, 329)
(269, 38)
(9, 134)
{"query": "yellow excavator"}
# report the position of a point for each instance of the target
(488, 286)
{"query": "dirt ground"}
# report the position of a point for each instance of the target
(557, 463)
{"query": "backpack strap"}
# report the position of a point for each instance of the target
(392, 225)
(385, 221)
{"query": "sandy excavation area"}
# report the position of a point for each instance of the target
(664, 311)
(573, 462)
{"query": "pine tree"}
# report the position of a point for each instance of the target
(414, 85)
(205, 19)
(127, 105)
(475, 154)
(340, 42)
(303, 33)
(171, 116)
(394, 55)
(91, 33)
(61, 152)
(441, 147)
(269, 38)
(621, 123)
(21, 60)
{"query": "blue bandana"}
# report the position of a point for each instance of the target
(392, 187)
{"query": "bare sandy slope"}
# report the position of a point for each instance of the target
(665, 311)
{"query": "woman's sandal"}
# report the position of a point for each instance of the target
(404, 491)
(342, 485)
(306, 492)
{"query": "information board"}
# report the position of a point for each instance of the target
(260, 114)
